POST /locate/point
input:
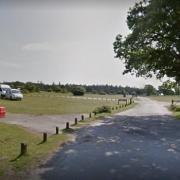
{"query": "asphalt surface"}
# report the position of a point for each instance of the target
(142, 143)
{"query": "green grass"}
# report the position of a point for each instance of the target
(10, 139)
(53, 103)
(106, 96)
(165, 98)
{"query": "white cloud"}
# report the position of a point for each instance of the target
(6, 64)
(37, 46)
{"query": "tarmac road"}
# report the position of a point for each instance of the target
(142, 143)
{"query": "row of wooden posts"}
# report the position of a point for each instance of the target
(24, 146)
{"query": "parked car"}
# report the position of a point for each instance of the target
(14, 94)
(3, 89)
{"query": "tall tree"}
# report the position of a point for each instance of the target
(149, 90)
(153, 46)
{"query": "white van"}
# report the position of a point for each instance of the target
(14, 94)
(3, 89)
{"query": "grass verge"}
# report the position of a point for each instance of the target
(12, 163)
(88, 121)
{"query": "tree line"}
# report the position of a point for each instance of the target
(167, 88)
(29, 87)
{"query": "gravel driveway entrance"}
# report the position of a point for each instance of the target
(41, 123)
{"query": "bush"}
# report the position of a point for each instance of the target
(78, 91)
(102, 109)
(175, 108)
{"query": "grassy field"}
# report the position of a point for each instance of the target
(11, 136)
(165, 98)
(55, 103)
(10, 139)
(169, 99)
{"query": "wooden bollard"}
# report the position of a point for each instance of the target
(44, 137)
(95, 113)
(67, 125)
(116, 107)
(23, 148)
(75, 121)
(130, 100)
(82, 117)
(90, 115)
(172, 101)
(112, 108)
(57, 130)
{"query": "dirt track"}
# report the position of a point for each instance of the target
(41, 123)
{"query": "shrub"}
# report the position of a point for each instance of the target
(172, 107)
(175, 108)
(78, 91)
(102, 109)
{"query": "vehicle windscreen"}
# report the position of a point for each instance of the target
(15, 91)
(5, 89)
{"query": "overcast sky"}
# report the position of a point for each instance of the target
(64, 41)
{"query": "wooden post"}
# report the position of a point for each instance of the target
(67, 125)
(90, 115)
(82, 117)
(57, 130)
(172, 101)
(94, 113)
(44, 137)
(23, 148)
(75, 121)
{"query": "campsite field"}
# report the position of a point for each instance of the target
(56, 103)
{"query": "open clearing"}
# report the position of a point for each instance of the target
(42, 112)
(57, 103)
(165, 98)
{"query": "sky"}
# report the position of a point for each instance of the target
(64, 41)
